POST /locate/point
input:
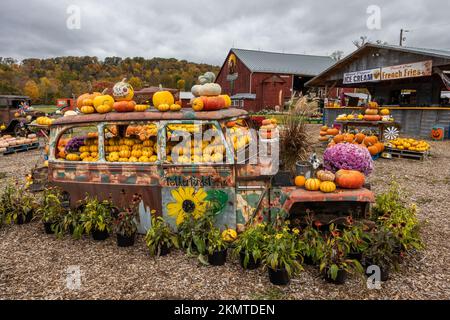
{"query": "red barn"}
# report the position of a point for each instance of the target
(258, 80)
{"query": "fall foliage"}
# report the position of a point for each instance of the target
(45, 80)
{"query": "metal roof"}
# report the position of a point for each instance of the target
(184, 114)
(445, 54)
(429, 52)
(273, 62)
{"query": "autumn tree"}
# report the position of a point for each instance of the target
(31, 89)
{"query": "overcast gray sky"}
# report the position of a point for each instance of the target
(204, 31)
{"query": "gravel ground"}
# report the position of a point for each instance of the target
(34, 265)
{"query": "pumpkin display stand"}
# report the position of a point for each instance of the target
(380, 125)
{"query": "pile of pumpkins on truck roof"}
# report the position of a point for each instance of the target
(207, 97)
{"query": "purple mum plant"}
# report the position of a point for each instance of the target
(348, 156)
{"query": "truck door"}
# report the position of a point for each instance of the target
(197, 172)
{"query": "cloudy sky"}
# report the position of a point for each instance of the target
(203, 31)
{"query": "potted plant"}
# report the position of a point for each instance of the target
(335, 265)
(249, 246)
(7, 201)
(310, 245)
(69, 223)
(193, 234)
(51, 210)
(216, 247)
(19, 204)
(96, 218)
(381, 252)
(391, 211)
(125, 222)
(280, 255)
(160, 238)
(357, 238)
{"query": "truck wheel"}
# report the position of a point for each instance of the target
(19, 130)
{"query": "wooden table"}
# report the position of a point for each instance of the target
(381, 125)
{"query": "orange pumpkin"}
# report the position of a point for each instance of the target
(300, 181)
(373, 150)
(350, 179)
(369, 117)
(324, 128)
(380, 146)
(323, 133)
(332, 131)
(323, 138)
(370, 140)
(359, 137)
(338, 138)
(124, 106)
(349, 137)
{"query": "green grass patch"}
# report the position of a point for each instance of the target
(45, 108)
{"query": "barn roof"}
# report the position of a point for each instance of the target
(273, 62)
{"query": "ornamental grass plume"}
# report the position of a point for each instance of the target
(348, 156)
(295, 143)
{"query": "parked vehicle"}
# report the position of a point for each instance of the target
(13, 118)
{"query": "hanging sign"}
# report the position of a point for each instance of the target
(362, 76)
(407, 70)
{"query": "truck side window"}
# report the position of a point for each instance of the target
(134, 142)
(185, 144)
(78, 144)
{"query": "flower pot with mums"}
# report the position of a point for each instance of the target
(280, 254)
(96, 218)
(160, 238)
(249, 246)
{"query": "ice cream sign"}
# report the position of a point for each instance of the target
(409, 70)
(362, 76)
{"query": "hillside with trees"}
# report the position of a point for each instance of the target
(45, 80)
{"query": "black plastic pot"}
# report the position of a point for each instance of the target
(340, 278)
(48, 227)
(251, 265)
(124, 241)
(308, 260)
(355, 256)
(28, 217)
(279, 277)
(164, 250)
(100, 235)
(218, 258)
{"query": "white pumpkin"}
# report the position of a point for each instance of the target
(211, 89)
(210, 76)
(70, 113)
(196, 90)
